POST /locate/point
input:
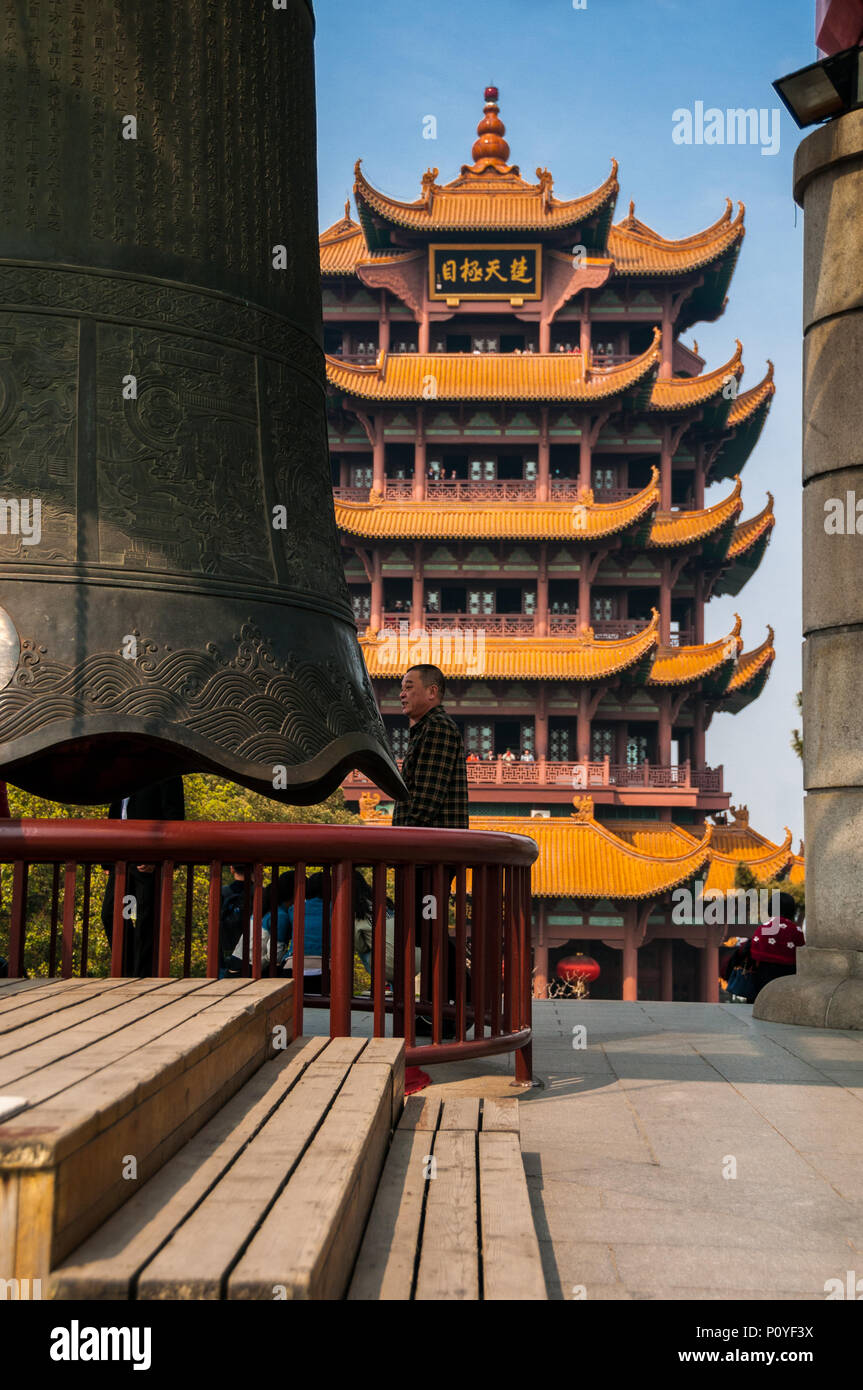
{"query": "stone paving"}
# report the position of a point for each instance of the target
(630, 1143)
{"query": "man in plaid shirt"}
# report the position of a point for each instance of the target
(434, 769)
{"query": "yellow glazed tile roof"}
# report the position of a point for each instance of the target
(638, 250)
(679, 528)
(765, 865)
(343, 248)
(505, 376)
(580, 858)
(749, 532)
(682, 392)
(489, 376)
(496, 199)
(440, 520)
(469, 654)
(681, 665)
(747, 402)
(751, 664)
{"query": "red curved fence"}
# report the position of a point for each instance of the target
(458, 898)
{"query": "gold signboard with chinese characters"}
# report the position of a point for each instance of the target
(485, 272)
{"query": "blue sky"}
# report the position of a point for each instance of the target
(578, 86)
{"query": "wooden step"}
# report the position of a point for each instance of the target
(129, 1072)
(269, 1199)
(452, 1217)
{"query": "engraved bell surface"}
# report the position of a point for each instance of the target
(171, 589)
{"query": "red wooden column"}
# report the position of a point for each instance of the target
(665, 469)
(630, 956)
(664, 739)
(423, 334)
(419, 484)
(541, 724)
(542, 592)
(667, 338)
(710, 973)
(384, 324)
(585, 561)
(543, 490)
(698, 483)
(665, 601)
(344, 472)
(376, 615)
(540, 951)
(417, 588)
(378, 474)
(583, 728)
(585, 452)
(584, 333)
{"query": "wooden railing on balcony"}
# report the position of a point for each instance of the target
(545, 773)
(516, 490)
(474, 966)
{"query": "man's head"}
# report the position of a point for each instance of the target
(423, 687)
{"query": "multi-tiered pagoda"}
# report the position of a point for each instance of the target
(521, 448)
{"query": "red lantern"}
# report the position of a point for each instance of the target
(578, 967)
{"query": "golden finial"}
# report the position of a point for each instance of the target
(583, 808)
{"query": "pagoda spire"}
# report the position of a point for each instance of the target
(490, 143)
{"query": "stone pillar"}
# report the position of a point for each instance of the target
(827, 990)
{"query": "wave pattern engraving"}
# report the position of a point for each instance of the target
(252, 706)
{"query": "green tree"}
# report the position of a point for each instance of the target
(207, 799)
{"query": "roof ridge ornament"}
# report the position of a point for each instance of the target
(490, 150)
(583, 809)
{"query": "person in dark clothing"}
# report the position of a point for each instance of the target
(160, 801)
(435, 773)
(772, 951)
(234, 909)
(434, 769)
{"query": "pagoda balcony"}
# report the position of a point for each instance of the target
(601, 776)
(515, 490)
(492, 624)
(525, 625)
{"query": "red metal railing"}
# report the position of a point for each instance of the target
(460, 898)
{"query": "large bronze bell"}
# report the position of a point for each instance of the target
(172, 597)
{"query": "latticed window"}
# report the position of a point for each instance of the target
(636, 749)
(478, 739)
(361, 476)
(433, 600)
(529, 602)
(527, 739)
(601, 742)
(362, 605)
(558, 745)
(399, 741)
(475, 470)
(602, 608)
(489, 470)
(530, 470)
(603, 478)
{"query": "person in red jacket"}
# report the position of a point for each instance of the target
(772, 950)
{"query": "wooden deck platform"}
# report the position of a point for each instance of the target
(101, 1082)
(163, 1140)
